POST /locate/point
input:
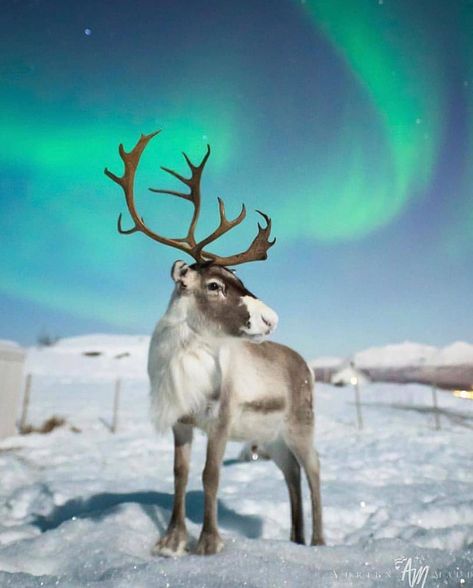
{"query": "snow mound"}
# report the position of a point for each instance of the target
(104, 343)
(404, 355)
(458, 353)
(398, 355)
(92, 356)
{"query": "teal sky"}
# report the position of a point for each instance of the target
(349, 122)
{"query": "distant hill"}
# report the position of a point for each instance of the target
(449, 367)
(97, 356)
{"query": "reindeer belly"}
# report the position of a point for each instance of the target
(257, 426)
(260, 403)
(246, 426)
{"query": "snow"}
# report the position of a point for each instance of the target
(113, 356)
(326, 362)
(398, 355)
(410, 354)
(455, 354)
(85, 508)
(401, 355)
(106, 343)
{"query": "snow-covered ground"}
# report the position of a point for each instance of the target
(85, 508)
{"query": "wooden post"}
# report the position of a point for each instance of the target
(26, 404)
(436, 408)
(116, 405)
(359, 416)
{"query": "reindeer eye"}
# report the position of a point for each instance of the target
(213, 286)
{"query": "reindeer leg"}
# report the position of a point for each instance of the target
(311, 465)
(303, 449)
(174, 541)
(289, 466)
(210, 541)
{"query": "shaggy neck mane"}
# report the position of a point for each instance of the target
(182, 366)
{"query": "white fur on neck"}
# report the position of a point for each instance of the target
(181, 366)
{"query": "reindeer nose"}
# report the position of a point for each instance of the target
(266, 321)
(270, 322)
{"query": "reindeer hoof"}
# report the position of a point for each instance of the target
(209, 544)
(318, 541)
(173, 544)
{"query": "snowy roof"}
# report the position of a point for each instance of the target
(349, 375)
(11, 351)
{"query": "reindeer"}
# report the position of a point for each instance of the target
(210, 368)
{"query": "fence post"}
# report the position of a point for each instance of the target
(116, 405)
(359, 417)
(436, 408)
(26, 404)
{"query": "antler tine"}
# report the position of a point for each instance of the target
(267, 229)
(189, 162)
(257, 251)
(123, 231)
(195, 169)
(200, 167)
(193, 196)
(186, 181)
(170, 192)
(224, 226)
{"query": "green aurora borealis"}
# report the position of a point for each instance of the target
(349, 122)
(389, 158)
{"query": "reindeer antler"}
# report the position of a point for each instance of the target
(256, 251)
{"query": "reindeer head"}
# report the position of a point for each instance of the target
(222, 302)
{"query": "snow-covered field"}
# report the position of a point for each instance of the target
(85, 508)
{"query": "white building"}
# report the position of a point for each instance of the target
(12, 359)
(348, 375)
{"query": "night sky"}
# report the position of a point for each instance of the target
(349, 122)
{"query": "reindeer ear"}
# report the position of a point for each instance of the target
(179, 270)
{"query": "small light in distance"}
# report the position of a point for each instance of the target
(468, 394)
